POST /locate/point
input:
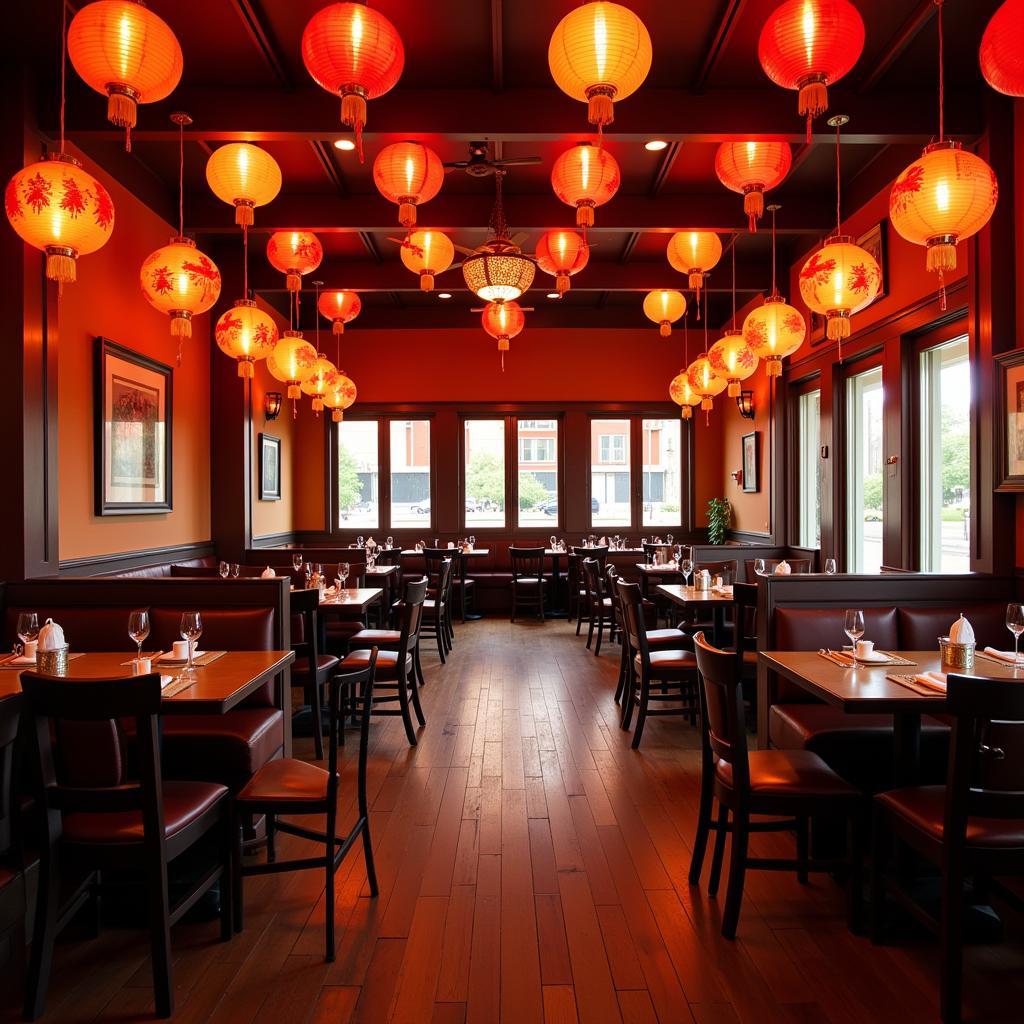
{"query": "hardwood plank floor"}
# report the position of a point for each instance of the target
(533, 868)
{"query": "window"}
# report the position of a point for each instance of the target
(410, 473)
(484, 454)
(610, 473)
(661, 440)
(808, 425)
(358, 472)
(944, 423)
(538, 472)
(865, 479)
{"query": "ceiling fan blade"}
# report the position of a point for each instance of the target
(397, 241)
(519, 237)
(465, 250)
(455, 266)
(517, 161)
(456, 165)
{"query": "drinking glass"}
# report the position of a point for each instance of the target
(390, 543)
(686, 567)
(343, 572)
(191, 629)
(235, 570)
(223, 568)
(759, 566)
(319, 570)
(830, 567)
(1014, 623)
(853, 627)
(28, 627)
(668, 538)
(359, 541)
(472, 541)
(138, 628)
(553, 541)
(297, 561)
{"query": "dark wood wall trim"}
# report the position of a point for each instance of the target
(109, 565)
(276, 540)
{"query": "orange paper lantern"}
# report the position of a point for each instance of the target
(944, 196)
(340, 307)
(503, 320)
(353, 51)
(294, 253)
(320, 382)
(59, 207)
(809, 45)
(181, 281)
(244, 176)
(585, 176)
(705, 382)
(245, 333)
(753, 168)
(427, 253)
(123, 50)
(773, 331)
(562, 253)
(292, 361)
(599, 52)
(664, 306)
(837, 281)
(1002, 62)
(408, 173)
(694, 253)
(341, 395)
(681, 392)
(732, 360)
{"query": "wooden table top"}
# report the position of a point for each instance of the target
(659, 570)
(354, 597)
(380, 570)
(679, 594)
(219, 686)
(475, 553)
(865, 689)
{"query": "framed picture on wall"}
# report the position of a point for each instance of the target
(1009, 439)
(751, 463)
(270, 468)
(874, 241)
(133, 431)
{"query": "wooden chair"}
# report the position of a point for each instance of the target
(12, 875)
(599, 605)
(696, 618)
(294, 788)
(395, 669)
(579, 602)
(388, 640)
(116, 824)
(793, 785)
(971, 827)
(656, 677)
(437, 605)
(311, 669)
(527, 579)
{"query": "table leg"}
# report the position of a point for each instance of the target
(466, 616)
(718, 617)
(556, 578)
(907, 744)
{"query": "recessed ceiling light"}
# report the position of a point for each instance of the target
(553, 295)
(344, 144)
(444, 295)
(656, 145)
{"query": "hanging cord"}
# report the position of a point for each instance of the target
(734, 237)
(942, 77)
(839, 181)
(774, 209)
(63, 68)
(181, 176)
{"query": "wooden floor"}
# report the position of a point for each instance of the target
(532, 868)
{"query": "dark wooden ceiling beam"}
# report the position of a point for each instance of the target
(726, 23)
(326, 160)
(627, 249)
(908, 31)
(497, 46)
(252, 18)
(668, 159)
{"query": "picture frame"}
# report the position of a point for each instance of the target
(875, 241)
(1009, 423)
(133, 421)
(751, 463)
(270, 467)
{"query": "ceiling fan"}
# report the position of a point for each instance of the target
(480, 164)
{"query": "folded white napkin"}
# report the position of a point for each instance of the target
(1008, 656)
(933, 680)
(168, 656)
(961, 632)
(268, 574)
(165, 680)
(21, 659)
(783, 568)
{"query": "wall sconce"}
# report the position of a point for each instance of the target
(271, 405)
(737, 476)
(745, 404)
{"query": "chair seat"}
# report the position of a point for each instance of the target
(924, 808)
(527, 581)
(793, 773)
(286, 780)
(387, 663)
(184, 803)
(665, 637)
(670, 660)
(376, 636)
(325, 665)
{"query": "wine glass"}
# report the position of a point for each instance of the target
(343, 573)
(359, 541)
(223, 568)
(830, 567)
(138, 628)
(235, 570)
(28, 628)
(191, 629)
(472, 542)
(390, 543)
(319, 570)
(553, 541)
(853, 627)
(668, 538)
(759, 566)
(1014, 623)
(686, 568)
(297, 561)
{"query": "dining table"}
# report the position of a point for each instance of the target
(462, 556)
(690, 597)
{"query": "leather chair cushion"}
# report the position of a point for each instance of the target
(376, 636)
(285, 780)
(528, 581)
(921, 627)
(387, 663)
(670, 660)
(325, 664)
(789, 773)
(666, 637)
(924, 808)
(184, 802)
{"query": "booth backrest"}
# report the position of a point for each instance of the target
(161, 569)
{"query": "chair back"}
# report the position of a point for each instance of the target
(651, 552)
(412, 616)
(592, 580)
(52, 703)
(631, 605)
(723, 731)
(611, 576)
(799, 566)
(526, 562)
(206, 571)
(10, 716)
(440, 566)
(744, 596)
(716, 568)
(361, 684)
(389, 556)
(305, 605)
(600, 553)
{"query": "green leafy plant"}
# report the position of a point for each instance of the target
(531, 491)
(350, 487)
(485, 480)
(719, 516)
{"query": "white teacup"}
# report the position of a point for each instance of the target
(179, 650)
(865, 648)
(30, 648)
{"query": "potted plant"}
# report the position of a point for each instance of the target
(719, 515)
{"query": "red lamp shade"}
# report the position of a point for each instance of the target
(341, 395)
(408, 173)
(244, 176)
(320, 382)
(245, 333)
(294, 253)
(694, 253)
(292, 361)
(180, 281)
(123, 50)
(773, 331)
(339, 306)
(353, 51)
(664, 306)
(58, 207)
(752, 168)
(562, 254)
(585, 176)
(1002, 62)
(808, 45)
(503, 320)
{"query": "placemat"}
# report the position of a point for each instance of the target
(207, 658)
(912, 684)
(998, 661)
(174, 688)
(8, 662)
(844, 660)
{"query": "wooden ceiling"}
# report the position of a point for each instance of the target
(477, 69)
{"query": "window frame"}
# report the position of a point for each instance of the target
(796, 393)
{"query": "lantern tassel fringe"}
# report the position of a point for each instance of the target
(585, 216)
(838, 328)
(753, 207)
(244, 214)
(246, 369)
(561, 284)
(426, 282)
(293, 281)
(600, 109)
(407, 214)
(735, 389)
(773, 368)
(338, 327)
(60, 267)
(664, 328)
(942, 257)
(353, 114)
(337, 416)
(294, 391)
(122, 110)
(812, 101)
(181, 326)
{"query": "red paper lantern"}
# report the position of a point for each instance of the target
(585, 176)
(353, 51)
(408, 173)
(503, 320)
(562, 254)
(340, 307)
(179, 280)
(294, 253)
(809, 45)
(752, 168)
(1002, 62)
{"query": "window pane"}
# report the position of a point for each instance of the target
(485, 473)
(357, 474)
(945, 426)
(410, 473)
(609, 473)
(661, 439)
(865, 489)
(809, 468)
(538, 472)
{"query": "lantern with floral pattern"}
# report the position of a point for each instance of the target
(341, 395)
(837, 281)
(681, 392)
(705, 382)
(179, 280)
(732, 360)
(294, 253)
(585, 177)
(246, 334)
(292, 361)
